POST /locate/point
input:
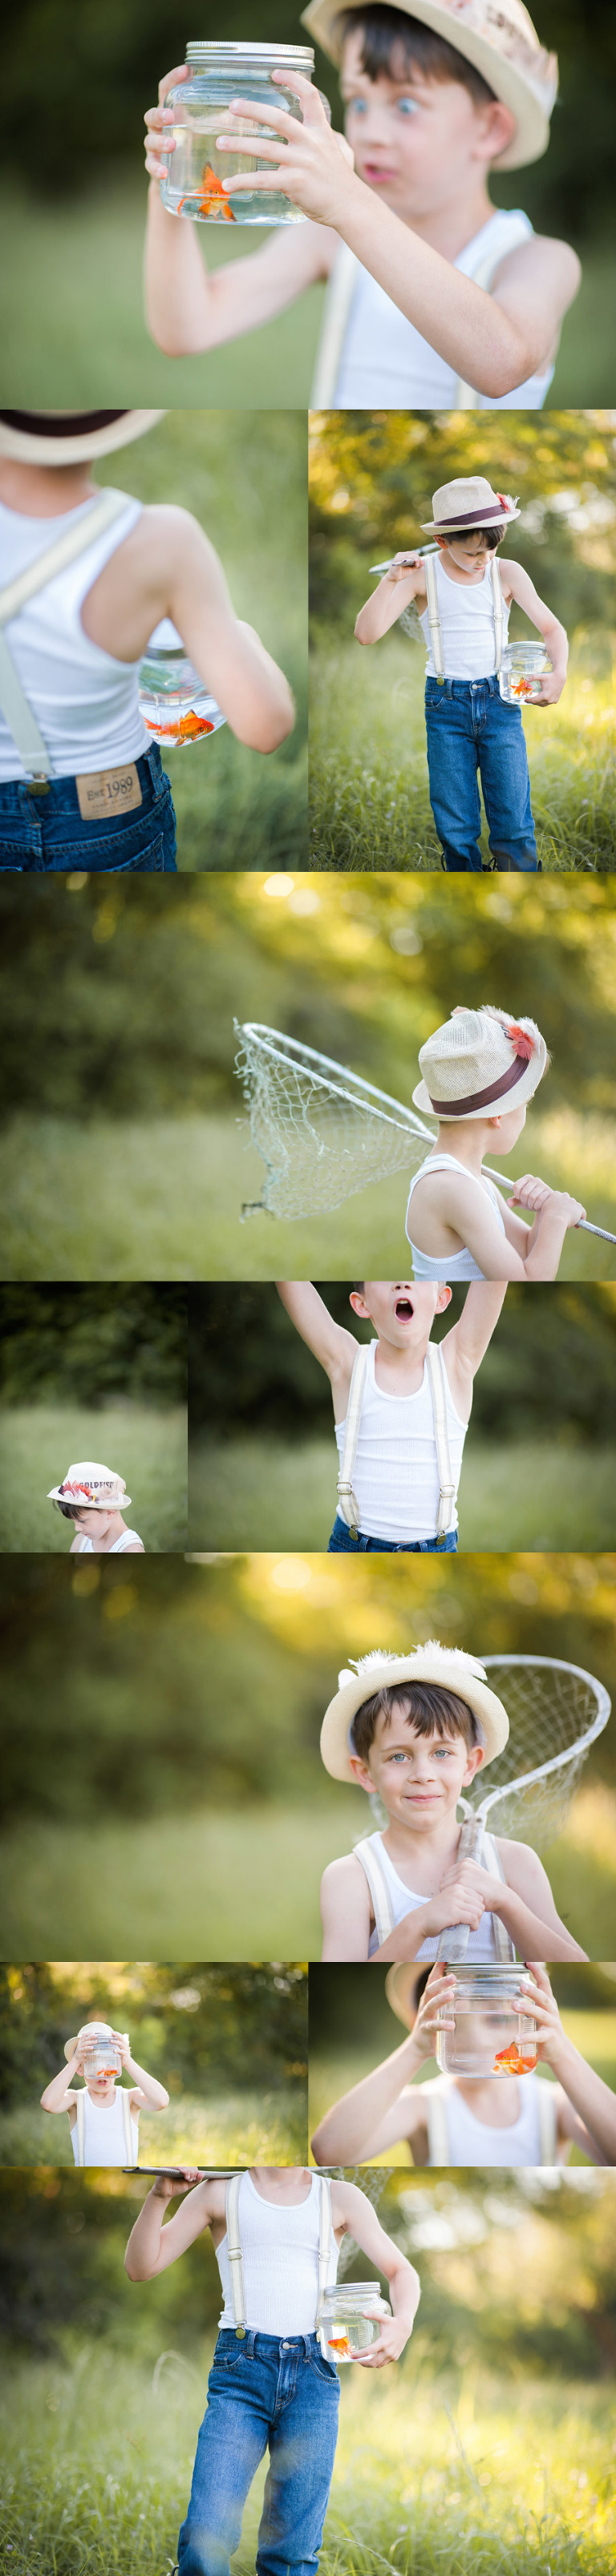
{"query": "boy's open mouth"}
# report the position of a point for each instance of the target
(404, 1310)
(377, 175)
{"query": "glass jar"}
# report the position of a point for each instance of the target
(494, 2030)
(175, 704)
(350, 2319)
(522, 669)
(103, 2058)
(217, 74)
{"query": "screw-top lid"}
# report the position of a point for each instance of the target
(296, 54)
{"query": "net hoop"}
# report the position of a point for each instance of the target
(353, 1087)
(558, 1761)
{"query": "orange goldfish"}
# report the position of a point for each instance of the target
(212, 202)
(515, 2060)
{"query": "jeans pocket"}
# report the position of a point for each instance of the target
(324, 2370)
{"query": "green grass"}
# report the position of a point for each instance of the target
(238, 1885)
(370, 805)
(264, 2128)
(237, 809)
(334, 2071)
(500, 2478)
(161, 1199)
(72, 315)
(38, 1442)
(282, 1493)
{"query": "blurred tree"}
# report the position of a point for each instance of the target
(206, 1684)
(372, 476)
(551, 1363)
(134, 990)
(190, 2024)
(92, 1343)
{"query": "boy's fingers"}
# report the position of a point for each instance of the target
(179, 74)
(278, 117)
(262, 151)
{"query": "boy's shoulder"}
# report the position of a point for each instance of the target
(521, 1864)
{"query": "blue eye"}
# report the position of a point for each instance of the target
(408, 106)
(357, 107)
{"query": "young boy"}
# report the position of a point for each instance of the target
(269, 2386)
(95, 1499)
(413, 1730)
(458, 2120)
(464, 598)
(87, 576)
(434, 297)
(104, 2118)
(401, 1435)
(475, 1062)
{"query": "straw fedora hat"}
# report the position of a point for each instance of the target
(70, 437)
(478, 1062)
(501, 42)
(401, 1984)
(447, 1665)
(468, 503)
(93, 1488)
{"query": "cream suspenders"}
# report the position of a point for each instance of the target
(234, 2249)
(434, 614)
(368, 1855)
(438, 1390)
(130, 2134)
(17, 712)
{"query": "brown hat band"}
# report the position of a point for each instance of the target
(61, 424)
(481, 1099)
(475, 518)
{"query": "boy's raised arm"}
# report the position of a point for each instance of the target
(467, 1342)
(330, 1343)
(404, 581)
(152, 2247)
(188, 310)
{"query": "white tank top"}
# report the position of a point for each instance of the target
(395, 1477)
(280, 2262)
(85, 701)
(449, 1265)
(385, 360)
(104, 2132)
(127, 1538)
(482, 1945)
(469, 2141)
(467, 627)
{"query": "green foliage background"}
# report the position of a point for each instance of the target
(92, 1343)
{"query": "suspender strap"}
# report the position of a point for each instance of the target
(497, 595)
(234, 2251)
(548, 2125)
(130, 2125)
(15, 706)
(381, 1902)
(325, 2242)
(346, 1497)
(438, 1390)
(338, 300)
(434, 614)
(437, 2124)
(81, 2128)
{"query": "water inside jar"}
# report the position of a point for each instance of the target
(197, 168)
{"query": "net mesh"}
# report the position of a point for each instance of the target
(553, 1709)
(319, 1137)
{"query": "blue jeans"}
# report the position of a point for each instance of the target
(46, 831)
(470, 728)
(341, 1543)
(263, 2394)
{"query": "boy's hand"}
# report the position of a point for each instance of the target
(159, 121)
(401, 567)
(392, 2338)
(312, 164)
(434, 2012)
(121, 2040)
(167, 2186)
(552, 2044)
(532, 1193)
(552, 685)
(462, 1897)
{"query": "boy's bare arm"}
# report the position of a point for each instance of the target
(345, 1910)
(522, 589)
(151, 2246)
(526, 1904)
(586, 2106)
(363, 2225)
(188, 310)
(373, 2115)
(494, 341)
(455, 1203)
(167, 567)
(405, 581)
(466, 1344)
(333, 1347)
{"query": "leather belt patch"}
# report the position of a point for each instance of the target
(105, 792)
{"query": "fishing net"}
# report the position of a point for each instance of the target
(322, 1132)
(555, 1710)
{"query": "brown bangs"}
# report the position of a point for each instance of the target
(424, 1705)
(396, 45)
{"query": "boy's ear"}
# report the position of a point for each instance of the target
(443, 1298)
(358, 1304)
(361, 1773)
(475, 1759)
